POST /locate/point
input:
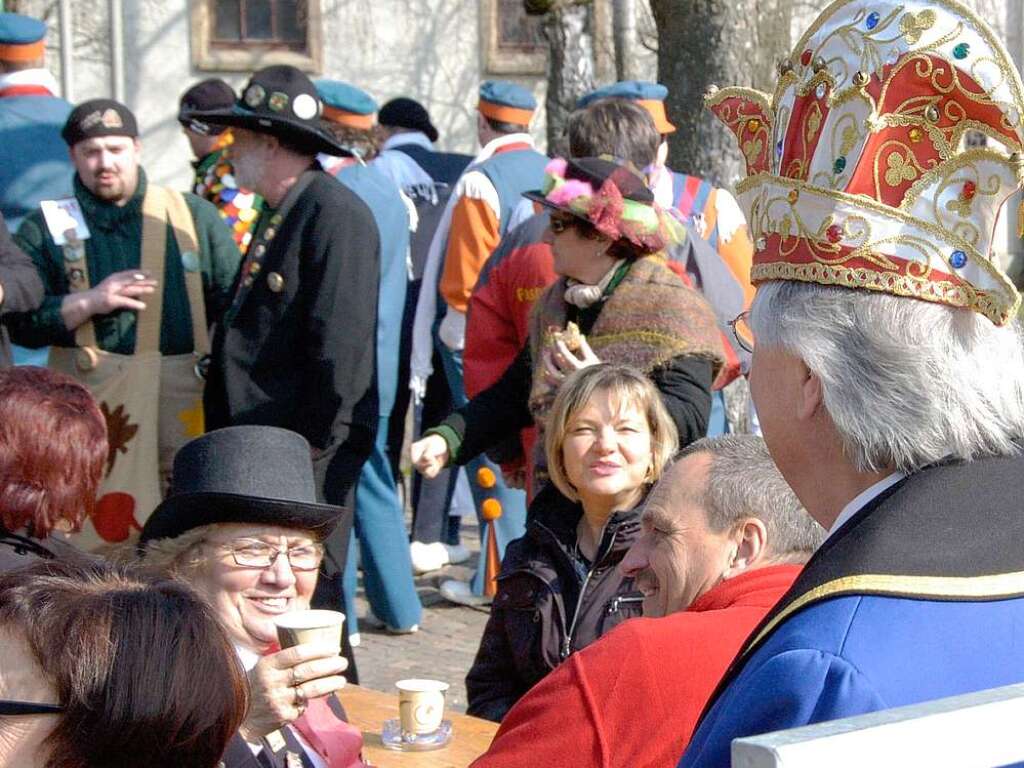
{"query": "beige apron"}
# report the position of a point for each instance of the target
(153, 404)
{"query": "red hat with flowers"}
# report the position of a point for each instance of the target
(611, 195)
(861, 167)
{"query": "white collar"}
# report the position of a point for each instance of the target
(247, 656)
(494, 145)
(414, 137)
(36, 76)
(861, 500)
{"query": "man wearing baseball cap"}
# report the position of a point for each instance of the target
(214, 178)
(134, 274)
(294, 349)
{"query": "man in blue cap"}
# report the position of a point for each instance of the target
(478, 214)
(379, 524)
(34, 163)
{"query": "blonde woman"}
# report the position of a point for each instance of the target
(609, 437)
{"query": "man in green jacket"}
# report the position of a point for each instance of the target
(109, 188)
(134, 275)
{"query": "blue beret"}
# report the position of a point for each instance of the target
(502, 100)
(507, 94)
(634, 90)
(348, 98)
(16, 29)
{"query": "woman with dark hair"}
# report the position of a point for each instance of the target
(53, 445)
(104, 667)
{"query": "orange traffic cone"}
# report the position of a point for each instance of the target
(490, 510)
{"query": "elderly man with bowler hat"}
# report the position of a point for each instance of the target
(214, 178)
(295, 348)
(888, 370)
(134, 275)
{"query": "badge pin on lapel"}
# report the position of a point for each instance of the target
(275, 282)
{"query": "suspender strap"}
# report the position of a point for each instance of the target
(180, 219)
(154, 251)
(160, 207)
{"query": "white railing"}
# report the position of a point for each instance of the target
(976, 730)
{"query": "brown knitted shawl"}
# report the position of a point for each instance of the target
(650, 318)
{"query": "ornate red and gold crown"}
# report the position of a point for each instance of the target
(859, 172)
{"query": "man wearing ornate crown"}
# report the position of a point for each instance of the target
(888, 372)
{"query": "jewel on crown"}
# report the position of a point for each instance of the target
(861, 169)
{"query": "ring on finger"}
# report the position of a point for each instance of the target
(295, 678)
(300, 697)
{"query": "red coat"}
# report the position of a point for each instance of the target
(633, 697)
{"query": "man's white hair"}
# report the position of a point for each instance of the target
(906, 382)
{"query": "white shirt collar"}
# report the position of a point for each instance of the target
(413, 137)
(494, 145)
(861, 500)
(37, 76)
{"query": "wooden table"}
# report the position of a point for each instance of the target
(368, 709)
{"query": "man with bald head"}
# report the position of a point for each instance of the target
(723, 538)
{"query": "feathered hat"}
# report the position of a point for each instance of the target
(859, 169)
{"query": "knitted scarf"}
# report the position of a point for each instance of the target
(650, 318)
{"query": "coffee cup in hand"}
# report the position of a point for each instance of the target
(310, 626)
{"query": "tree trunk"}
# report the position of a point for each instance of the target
(569, 30)
(715, 42)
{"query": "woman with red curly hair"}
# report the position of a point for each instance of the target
(53, 445)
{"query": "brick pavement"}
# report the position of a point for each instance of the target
(444, 647)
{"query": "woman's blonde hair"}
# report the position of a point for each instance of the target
(625, 386)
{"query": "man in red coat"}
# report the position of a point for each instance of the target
(723, 538)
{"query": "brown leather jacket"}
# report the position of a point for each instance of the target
(547, 605)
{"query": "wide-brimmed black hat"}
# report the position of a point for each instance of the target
(283, 102)
(249, 474)
(404, 112)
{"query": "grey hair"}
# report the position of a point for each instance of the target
(744, 482)
(905, 382)
(177, 556)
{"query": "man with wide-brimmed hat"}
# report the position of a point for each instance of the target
(214, 178)
(134, 274)
(295, 349)
(888, 371)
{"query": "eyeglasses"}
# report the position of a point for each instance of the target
(251, 553)
(8, 708)
(559, 225)
(741, 331)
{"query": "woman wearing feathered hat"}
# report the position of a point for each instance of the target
(616, 301)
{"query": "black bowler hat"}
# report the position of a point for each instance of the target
(283, 102)
(204, 96)
(249, 474)
(407, 113)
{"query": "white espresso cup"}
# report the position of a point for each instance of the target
(310, 626)
(420, 705)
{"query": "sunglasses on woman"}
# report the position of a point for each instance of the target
(8, 707)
